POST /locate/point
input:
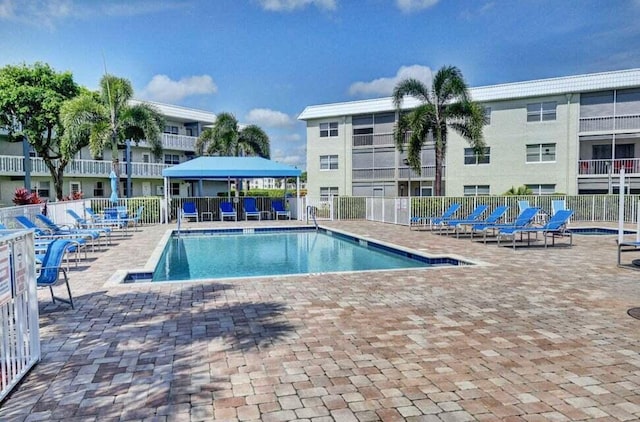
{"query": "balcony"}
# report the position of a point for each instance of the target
(389, 173)
(11, 165)
(610, 123)
(377, 139)
(603, 167)
(175, 142)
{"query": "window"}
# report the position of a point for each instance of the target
(146, 158)
(328, 162)
(328, 129)
(487, 115)
(541, 112)
(171, 129)
(171, 159)
(189, 131)
(476, 190)
(538, 153)
(43, 189)
(471, 157)
(175, 189)
(325, 193)
(542, 189)
(98, 191)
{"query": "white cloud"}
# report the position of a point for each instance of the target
(164, 89)
(290, 158)
(409, 6)
(268, 118)
(294, 137)
(289, 5)
(384, 86)
(48, 13)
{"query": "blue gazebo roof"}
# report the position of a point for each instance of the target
(229, 167)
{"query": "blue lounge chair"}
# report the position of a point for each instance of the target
(492, 218)
(278, 209)
(83, 223)
(227, 211)
(135, 220)
(189, 210)
(64, 230)
(436, 220)
(80, 241)
(250, 209)
(524, 219)
(51, 268)
(472, 217)
(555, 227)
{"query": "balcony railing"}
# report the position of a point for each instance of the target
(610, 123)
(389, 173)
(603, 167)
(374, 139)
(179, 142)
(12, 165)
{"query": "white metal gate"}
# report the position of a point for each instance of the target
(19, 337)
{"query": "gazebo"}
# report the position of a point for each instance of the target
(225, 168)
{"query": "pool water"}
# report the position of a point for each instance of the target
(232, 255)
(597, 231)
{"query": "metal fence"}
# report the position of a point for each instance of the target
(591, 208)
(19, 336)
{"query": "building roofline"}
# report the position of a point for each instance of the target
(616, 79)
(180, 112)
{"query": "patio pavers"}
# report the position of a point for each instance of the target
(537, 335)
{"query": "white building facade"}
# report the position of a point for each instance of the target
(568, 135)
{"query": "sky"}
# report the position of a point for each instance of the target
(266, 60)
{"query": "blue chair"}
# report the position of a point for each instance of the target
(136, 219)
(492, 218)
(64, 230)
(189, 210)
(437, 220)
(472, 217)
(555, 227)
(83, 223)
(52, 267)
(227, 211)
(524, 219)
(278, 209)
(250, 208)
(80, 241)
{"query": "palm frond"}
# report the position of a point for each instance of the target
(255, 141)
(412, 88)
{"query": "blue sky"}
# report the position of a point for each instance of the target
(265, 60)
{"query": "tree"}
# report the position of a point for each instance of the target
(106, 119)
(30, 102)
(225, 138)
(446, 104)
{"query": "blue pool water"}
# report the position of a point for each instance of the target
(597, 231)
(232, 254)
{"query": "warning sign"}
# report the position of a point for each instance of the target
(20, 266)
(5, 275)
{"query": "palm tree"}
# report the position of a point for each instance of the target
(446, 104)
(108, 119)
(227, 139)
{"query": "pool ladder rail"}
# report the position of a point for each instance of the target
(311, 210)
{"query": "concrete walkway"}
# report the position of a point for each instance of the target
(541, 334)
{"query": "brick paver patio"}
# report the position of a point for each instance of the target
(538, 335)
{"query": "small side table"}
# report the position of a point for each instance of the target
(207, 214)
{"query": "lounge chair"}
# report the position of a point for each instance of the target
(555, 227)
(492, 218)
(227, 211)
(250, 209)
(421, 222)
(189, 210)
(279, 210)
(136, 219)
(471, 218)
(66, 230)
(79, 240)
(83, 223)
(524, 219)
(52, 266)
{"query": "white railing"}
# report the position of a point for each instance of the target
(604, 167)
(591, 208)
(388, 173)
(179, 142)
(12, 165)
(609, 123)
(19, 336)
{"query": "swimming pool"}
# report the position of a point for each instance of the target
(259, 252)
(597, 231)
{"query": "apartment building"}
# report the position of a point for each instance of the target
(568, 135)
(91, 176)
